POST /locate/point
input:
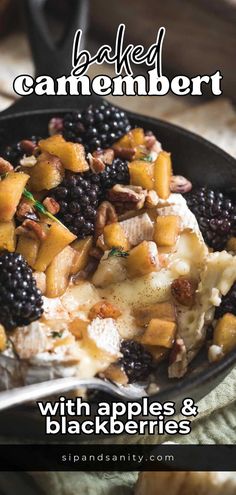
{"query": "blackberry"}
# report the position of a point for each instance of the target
(20, 300)
(116, 173)
(136, 360)
(14, 152)
(97, 127)
(216, 215)
(228, 303)
(77, 196)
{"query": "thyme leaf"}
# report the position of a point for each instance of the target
(146, 158)
(40, 207)
(118, 252)
(56, 335)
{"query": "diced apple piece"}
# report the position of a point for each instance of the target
(163, 311)
(141, 174)
(114, 237)
(159, 332)
(166, 230)
(231, 244)
(11, 189)
(115, 373)
(158, 353)
(47, 173)
(142, 259)
(28, 247)
(225, 333)
(57, 239)
(58, 272)
(7, 236)
(3, 339)
(104, 309)
(162, 174)
(81, 254)
(133, 138)
(72, 155)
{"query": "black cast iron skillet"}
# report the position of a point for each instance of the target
(200, 161)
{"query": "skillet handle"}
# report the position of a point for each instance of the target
(50, 58)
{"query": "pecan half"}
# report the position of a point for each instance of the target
(96, 164)
(25, 210)
(124, 153)
(52, 205)
(179, 184)
(96, 253)
(32, 229)
(28, 146)
(106, 214)
(128, 197)
(104, 309)
(5, 166)
(183, 290)
(107, 155)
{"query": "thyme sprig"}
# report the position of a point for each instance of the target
(118, 252)
(39, 206)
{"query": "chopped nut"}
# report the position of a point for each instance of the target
(28, 146)
(5, 166)
(33, 228)
(25, 210)
(124, 153)
(104, 309)
(40, 279)
(183, 290)
(151, 199)
(128, 197)
(95, 252)
(106, 214)
(179, 184)
(116, 374)
(28, 161)
(52, 205)
(107, 155)
(96, 164)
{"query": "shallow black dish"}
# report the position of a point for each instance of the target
(193, 157)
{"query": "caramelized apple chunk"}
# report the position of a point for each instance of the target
(163, 311)
(57, 239)
(159, 332)
(143, 259)
(114, 237)
(58, 272)
(162, 174)
(72, 155)
(7, 236)
(28, 247)
(47, 173)
(141, 174)
(81, 254)
(11, 189)
(225, 333)
(166, 230)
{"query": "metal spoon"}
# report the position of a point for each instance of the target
(29, 393)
